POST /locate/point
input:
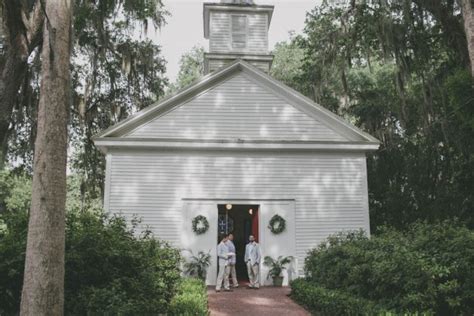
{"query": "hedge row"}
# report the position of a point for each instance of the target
(191, 298)
(427, 269)
(322, 301)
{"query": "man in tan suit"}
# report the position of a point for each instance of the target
(223, 256)
(252, 259)
(232, 260)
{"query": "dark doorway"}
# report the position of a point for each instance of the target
(241, 220)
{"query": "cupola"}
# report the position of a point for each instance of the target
(237, 29)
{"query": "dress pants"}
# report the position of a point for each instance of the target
(233, 275)
(223, 275)
(254, 274)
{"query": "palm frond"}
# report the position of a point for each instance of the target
(276, 266)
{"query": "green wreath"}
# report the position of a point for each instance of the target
(200, 225)
(277, 224)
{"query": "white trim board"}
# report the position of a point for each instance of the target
(103, 144)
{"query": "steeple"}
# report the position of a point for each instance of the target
(237, 29)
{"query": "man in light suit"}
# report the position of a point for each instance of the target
(232, 260)
(223, 256)
(252, 259)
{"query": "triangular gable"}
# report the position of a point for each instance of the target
(317, 123)
(237, 108)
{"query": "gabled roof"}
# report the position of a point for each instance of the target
(358, 140)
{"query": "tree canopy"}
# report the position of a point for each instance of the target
(191, 68)
(399, 70)
(116, 70)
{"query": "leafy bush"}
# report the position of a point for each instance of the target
(322, 301)
(191, 298)
(109, 269)
(15, 192)
(197, 265)
(428, 268)
(276, 265)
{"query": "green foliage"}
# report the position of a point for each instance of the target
(277, 224)
(116, 70)
(197, 265)
(79, 198)
(287, 64)
(13, 232)
(322, 301)
(191, 68)
(398, 70)
(15, 191)
(276, 265)
(110, 268)
(425, 269)
(200, 225)
(191, 299)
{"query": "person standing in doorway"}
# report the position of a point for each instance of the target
(232, 260)
(223, 255)
(252, 259)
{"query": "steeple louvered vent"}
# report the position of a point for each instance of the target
(237, 29)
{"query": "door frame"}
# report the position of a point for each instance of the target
(209, 205)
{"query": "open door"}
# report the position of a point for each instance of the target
(255, 223)
(241, 220)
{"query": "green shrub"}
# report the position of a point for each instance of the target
(15, 192)
(109, 268)
(427, 269)
(191, 298)
(322, 301)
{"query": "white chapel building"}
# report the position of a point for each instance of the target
(237, 147)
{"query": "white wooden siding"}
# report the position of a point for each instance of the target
(220, 33)
(237, 109)
(329, 189)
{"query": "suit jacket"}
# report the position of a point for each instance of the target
(252, 253)
(231, 247)
(222, 253)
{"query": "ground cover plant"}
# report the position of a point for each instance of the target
(190, 299)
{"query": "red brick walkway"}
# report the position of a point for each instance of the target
(265, 301)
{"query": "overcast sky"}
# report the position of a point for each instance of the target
(184, 28)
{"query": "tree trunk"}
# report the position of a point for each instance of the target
(453, 30)
(43, 284)
(22, 30)
(12, 76)
(12, 68)
(468, 17)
